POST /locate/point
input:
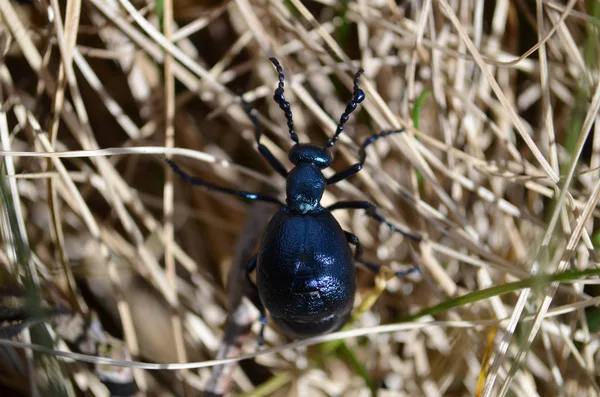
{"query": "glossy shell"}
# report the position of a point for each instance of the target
(305, 273)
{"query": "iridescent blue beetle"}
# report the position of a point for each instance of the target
(305, 271)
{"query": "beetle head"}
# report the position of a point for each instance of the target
(306, 153)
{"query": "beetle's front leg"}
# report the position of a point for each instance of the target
(362, 155)
(255, 299)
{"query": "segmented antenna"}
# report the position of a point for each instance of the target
(357, 97)
(283, 104)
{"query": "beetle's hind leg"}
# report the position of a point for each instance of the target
(255, 299)
(371, 211)
(352, 239)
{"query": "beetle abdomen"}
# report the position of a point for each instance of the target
(305, 273)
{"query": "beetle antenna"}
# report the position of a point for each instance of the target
(283, 104)
(357, 97)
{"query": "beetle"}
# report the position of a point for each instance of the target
(305, 268)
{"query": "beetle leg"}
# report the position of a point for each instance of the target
(255, 299)
(362, 156)
(348, 172)
(262, 149)
(352, 239)
(371, 211)
(240, 193)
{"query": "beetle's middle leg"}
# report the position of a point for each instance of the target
(352, 239)
(255, 299)
(371, 211)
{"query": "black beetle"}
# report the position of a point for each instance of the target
(305, 267)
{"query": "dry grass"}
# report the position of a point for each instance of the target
(499, 171)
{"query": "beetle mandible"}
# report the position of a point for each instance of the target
(305, 271)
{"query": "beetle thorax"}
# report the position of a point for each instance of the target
(305, 187)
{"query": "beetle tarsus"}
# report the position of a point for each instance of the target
(261, 334)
